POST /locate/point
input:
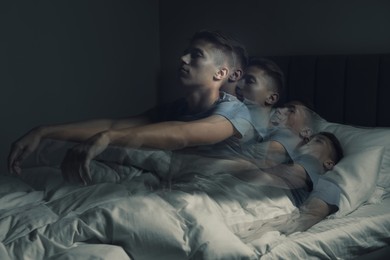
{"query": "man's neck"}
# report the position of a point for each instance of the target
(229, 88)
(267, 109)
(202, 99)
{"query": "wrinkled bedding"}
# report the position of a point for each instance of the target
(361, 232)
(42, 217)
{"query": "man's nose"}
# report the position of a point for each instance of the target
(185, 58)
(240, 84)
(282, 110)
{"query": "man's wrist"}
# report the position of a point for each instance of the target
(42, 131)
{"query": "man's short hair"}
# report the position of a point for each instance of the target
(272, 71)
(337, 152)
(240, 56)
(222, 43)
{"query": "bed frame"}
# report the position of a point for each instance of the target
(349, 89)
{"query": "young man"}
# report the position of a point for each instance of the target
(316, 197)
(262, 83)
(205, 116)
(289, 125)
(260, 89)
(261, 86)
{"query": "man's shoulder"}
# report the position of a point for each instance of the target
(226, 97)
(230, 102)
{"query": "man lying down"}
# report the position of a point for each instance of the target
(315, 196)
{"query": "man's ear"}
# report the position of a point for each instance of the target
(272, 99)
(221, 73)
(236, 75)
(328, 165)
(306, 133)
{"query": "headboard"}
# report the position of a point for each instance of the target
(349, 89)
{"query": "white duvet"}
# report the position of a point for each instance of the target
(49, 219)
(43, 218)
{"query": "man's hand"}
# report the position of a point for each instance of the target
(75, 166)
(312, 211)
(22, 148)
(285, 224)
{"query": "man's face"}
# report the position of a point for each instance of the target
(253, 86)
(291, 115)
(318, 146)
(198, 66)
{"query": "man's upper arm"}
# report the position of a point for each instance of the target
(237, 114)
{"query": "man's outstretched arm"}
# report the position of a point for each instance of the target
(285, 176)
(174, 135)
(171, 135)
(76, 131)
(310, 213)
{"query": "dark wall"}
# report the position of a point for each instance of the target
(73, 60)
(274, 28)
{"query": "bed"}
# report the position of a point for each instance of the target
(42, 217)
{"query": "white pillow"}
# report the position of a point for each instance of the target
(354, 139)
(356, 175)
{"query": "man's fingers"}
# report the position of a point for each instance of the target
(84, 173)
(80, 175)
(17, 169)
(16, 157)
(87, 174)
(15, 150)
(23, 155)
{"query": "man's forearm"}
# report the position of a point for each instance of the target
(310, 213)
(173, 135)
(261, 178)
(78, 131)
(165, 136)
(81, 131)
(281, 176)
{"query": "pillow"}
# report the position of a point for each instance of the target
(353, 138)
(356, 175)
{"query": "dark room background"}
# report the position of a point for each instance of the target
(72, 60)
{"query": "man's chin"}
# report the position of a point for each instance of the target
(185, 80)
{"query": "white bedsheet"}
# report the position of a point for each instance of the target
(361, 232)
